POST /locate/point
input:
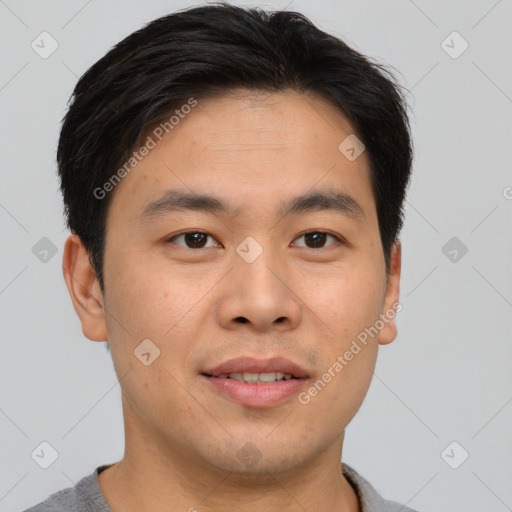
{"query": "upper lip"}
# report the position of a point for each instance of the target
(252, 365)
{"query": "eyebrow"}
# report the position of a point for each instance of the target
(319, 200)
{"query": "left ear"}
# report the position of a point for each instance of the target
(388, 333)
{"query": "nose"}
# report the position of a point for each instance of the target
(260, 293)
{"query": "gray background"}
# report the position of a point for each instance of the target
(445, 378)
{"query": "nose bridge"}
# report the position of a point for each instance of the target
(259, 263)
(258, 291)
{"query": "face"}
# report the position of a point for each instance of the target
(251, 279)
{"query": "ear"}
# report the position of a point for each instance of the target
(388, 333)
(84, 289)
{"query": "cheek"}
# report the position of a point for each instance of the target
(347, 302)
(350, 304)
(161, 303)
(152, 298)
(146, 306)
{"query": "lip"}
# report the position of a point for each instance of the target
(256, 395)
(252, 365)
(252, 394)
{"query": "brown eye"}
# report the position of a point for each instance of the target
(193, 239)
(316, 239)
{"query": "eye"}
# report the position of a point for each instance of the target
(198, 239)
(316, 239)
(192, 239)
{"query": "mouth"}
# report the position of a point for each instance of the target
(276, 368)
(255, 378)
(256, 383)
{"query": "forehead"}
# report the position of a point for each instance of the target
(255, 146)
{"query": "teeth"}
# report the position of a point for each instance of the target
(256, 378)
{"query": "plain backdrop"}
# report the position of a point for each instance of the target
(442, 390)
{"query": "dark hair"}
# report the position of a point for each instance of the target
(206, 51)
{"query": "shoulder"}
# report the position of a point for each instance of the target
(85, 496)
(393, 506)
(371, 500)
(65, 500)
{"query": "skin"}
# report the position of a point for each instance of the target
(182, 439)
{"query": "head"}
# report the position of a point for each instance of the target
(234, 181)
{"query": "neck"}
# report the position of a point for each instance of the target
(159, 476)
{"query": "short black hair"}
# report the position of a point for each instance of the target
(207, 51)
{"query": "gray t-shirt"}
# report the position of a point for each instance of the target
(86, 496)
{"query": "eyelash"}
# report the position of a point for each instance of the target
(337, 238)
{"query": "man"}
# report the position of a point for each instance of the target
(234, 182)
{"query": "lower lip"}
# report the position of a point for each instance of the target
(257, 395)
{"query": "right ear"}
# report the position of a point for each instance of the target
(84, 289)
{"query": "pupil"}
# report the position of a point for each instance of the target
(317, 239)
(194, 239)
